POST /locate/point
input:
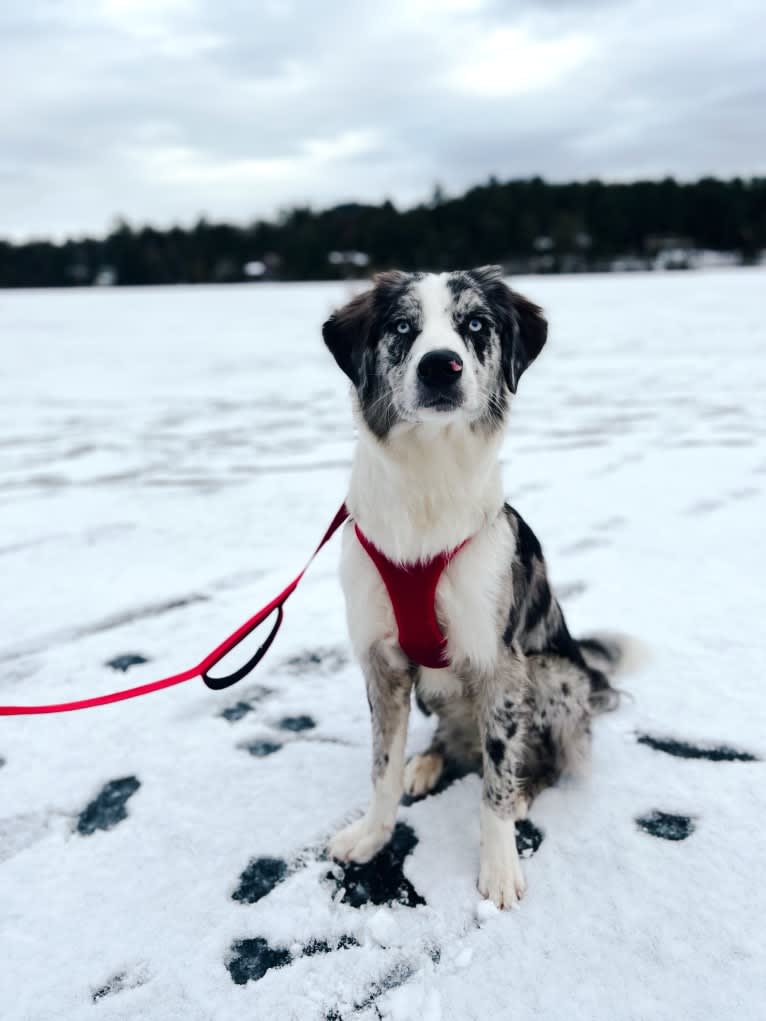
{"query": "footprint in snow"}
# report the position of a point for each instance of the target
(238, 710)
(382, 880)
(325, 660)
(666, 826)
(685, 750)
(251, 959)
(126, 660)
(261, 748)
(296, 724)
(259, 878)
(108, 807)
(121, 981)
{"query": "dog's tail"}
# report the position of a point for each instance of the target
(607, 655)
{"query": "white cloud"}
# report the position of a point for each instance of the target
(160, 111)
(510, 62)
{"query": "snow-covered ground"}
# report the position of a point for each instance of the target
(168, 459)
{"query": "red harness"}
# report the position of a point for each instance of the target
(412, 588)
(412, 591)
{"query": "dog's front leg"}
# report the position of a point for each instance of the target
(502, 724)
(388, 693)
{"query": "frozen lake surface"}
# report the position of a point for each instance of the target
(168, 459)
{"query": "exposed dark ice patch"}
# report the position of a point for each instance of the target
(235, 712)
(119, 983)
(261, 748)
(245, 705)
(108, 807)
(297, 723)
(252, 958)
(321, 946)
(684, 750)
(666, 826)
(382, 880)
(528, 838)
(126, 661)
(329, 660)
(259, 878)
(2, 762)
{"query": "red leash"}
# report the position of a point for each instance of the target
(206, 665)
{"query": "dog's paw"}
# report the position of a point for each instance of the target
(360, 841)
(501, 881)
(500, 877)
(422, 773)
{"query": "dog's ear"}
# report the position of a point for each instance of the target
(523, 326)
(527, 341)
(346, 333)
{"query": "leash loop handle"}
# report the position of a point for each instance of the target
(220, 683)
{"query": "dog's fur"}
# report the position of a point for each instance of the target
(518, 696)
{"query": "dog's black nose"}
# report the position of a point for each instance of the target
(441, 368)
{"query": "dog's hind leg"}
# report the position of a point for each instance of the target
(558, 734)
(388, 694)
(454, 749)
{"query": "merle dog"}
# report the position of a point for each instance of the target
(434, 361)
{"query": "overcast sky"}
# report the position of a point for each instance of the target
(162, 110)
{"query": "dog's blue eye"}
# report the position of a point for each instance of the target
(475, 325)
(402, 326)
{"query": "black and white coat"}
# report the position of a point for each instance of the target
(434, 361)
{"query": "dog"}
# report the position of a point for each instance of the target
(434, 361)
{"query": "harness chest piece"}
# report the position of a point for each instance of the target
(412, 591)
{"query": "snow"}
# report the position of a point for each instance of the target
(168, 460)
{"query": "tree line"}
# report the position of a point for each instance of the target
(526, 225)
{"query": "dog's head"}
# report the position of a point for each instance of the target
(435, 348)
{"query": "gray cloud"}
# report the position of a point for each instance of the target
(162, 111)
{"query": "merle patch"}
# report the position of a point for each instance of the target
(297, 723)
(684, 750)
(382, 880)
(259, 878)
(108, 807)
(666, 826)
(125, 661)
(252, 958)
(261, 748)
